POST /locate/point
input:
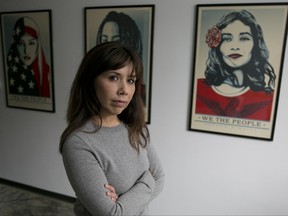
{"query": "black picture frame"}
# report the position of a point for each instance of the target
(27, 59)
(250, 108)
(138, 21)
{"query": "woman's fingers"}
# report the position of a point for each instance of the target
(111, 193)
(110, 188)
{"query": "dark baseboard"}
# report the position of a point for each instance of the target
(38, 190)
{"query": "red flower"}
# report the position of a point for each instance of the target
(213, 37)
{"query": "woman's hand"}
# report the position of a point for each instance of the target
(111, 193)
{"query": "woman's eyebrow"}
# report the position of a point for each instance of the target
(133, 73)
(241, 33)
(113, 72)
(120, 74)
(103, 35)
(226, 34)
(244, 33)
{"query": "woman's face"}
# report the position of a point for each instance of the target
(27, 49)
(237, 44)
(115, 89)
(110, 32)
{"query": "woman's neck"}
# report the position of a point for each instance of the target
(239, 78)
(110, 121)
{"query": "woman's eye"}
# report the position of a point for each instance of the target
(113, 78)
(104, 39)
(131, 81)
(227, 39)
(116, 38)
(245, 39)
(31, 43)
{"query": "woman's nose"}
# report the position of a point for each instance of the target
(234, 48)
(234, 45)
(123, 88)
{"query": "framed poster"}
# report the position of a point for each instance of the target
(238, 61)
(132, 26)
(27, 58)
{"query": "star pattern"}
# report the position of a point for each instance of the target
(14, 68)
(16, 59)
(20, 89)
(12, 82)
(31, 85)
(21, 77)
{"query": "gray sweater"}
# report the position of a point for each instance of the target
(106, 157)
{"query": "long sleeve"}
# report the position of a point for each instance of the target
(88, 174)
(156, 170)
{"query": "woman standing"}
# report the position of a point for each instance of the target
(111, 165)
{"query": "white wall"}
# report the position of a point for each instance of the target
(205, 174)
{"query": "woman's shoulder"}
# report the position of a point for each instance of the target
(80, 134)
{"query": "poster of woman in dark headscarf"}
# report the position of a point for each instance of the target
(130, 25)
(27, 57)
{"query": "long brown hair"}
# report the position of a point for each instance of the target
(83, 103)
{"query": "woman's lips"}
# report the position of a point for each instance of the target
(27, 58)
(234, 56)
(119, 103)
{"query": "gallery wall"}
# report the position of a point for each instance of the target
(206, 174)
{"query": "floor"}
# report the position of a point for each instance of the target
(15, 201)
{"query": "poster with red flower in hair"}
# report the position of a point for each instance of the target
(238, 60)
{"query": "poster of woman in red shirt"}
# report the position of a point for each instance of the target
(237, 88)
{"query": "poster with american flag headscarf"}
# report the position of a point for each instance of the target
(27, 59)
